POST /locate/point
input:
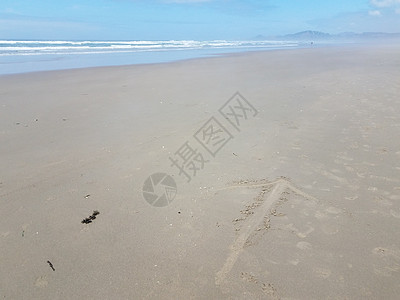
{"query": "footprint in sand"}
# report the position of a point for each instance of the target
(41, 282)
(381, 200)
(294, 262)
(395, 214)
(322, 272)
(304, 246)
(299, 233)
(333, 210)
(5, 234)
(329, 229)
(392, 265)
(320, 215)
(351, 198)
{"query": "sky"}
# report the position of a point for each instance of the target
(190, 19)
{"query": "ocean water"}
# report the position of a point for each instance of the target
(29, 56)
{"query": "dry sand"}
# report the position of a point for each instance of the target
(302, 203)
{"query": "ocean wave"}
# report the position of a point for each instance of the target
(24, 47)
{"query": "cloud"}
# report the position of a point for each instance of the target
(375, 13)
(386, 7)
(385, 3)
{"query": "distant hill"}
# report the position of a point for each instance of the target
(310, 35)
(260, 37)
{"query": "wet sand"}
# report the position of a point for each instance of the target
(297, 196)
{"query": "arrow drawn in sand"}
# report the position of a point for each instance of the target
(252, 223)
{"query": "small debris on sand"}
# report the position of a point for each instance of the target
(51, 265)
(89, 219)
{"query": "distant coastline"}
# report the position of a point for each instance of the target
(311, 35)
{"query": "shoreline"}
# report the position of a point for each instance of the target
(203, 54)
(216, 55)
(64, 61)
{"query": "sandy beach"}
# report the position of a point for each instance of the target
(294, 195)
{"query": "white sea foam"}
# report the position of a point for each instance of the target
(16, 48)
(28, 56)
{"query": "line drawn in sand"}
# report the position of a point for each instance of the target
(275, 191)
